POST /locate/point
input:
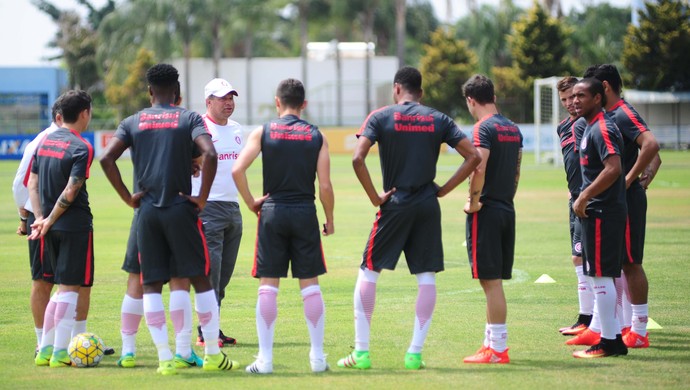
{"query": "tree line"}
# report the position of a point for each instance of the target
(107, 51)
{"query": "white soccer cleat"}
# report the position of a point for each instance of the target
(319, 365)
(260, 367)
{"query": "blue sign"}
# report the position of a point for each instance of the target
(12, 146)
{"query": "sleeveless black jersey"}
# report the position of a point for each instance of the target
(571, 159)
(631, 125)
(410, 136)
(601, 140)
(61, 155)
(290, 150)
(161, 139)
(504, 140)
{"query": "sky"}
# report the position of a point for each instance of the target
(25, 31)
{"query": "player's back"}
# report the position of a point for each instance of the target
(162, 142)
(504, 141)
(290, 150)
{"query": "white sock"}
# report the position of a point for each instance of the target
(266, 315)
(487, 336)
(154, 311)
(584, 292)
(595, 325)
(65, 312)
(365, 299)
(314, 314)
(181, 317)
(605, 291)
(499, 337)
(79, 327)
(130, 317)
(207, 311)
(424, 310)
(626, 320)
(620, 295)
(39, 335)
(639, 319)
(48, 337)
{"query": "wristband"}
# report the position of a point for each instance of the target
(23, 219)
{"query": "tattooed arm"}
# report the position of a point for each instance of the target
(69, 194)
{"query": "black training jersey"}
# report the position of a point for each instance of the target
(290, 150)
(161, 139)
(600, 141)
(504, 140)
(571, 159)
(61, 155)
(410, 136)
(631, 125)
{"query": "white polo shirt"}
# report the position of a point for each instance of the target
(228, 142)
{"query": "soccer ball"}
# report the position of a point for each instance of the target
(86, 350)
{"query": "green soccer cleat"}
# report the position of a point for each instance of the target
(219, 362)
(43, 356)
(356, 359)
(166, 367)
(192, 361)
(413, 361)
(127, 360)
(60, 358)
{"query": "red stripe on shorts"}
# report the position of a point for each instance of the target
(628, 246)
(89, 251)
(370, 249)
(597, 247)
(475, 221)
(207, 258)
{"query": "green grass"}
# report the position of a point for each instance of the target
(538, 353)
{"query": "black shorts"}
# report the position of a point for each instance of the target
(635, 225)
(171, 242)
(288, 235)
(40, 270)
(413, 230)
(490, 234)
(575, 231)
(602, 240)
(70, 255)
(131, 263)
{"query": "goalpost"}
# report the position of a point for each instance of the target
(548, 113)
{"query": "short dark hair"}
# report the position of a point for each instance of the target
(163, 78)
(594, 86)
(566, 83)
(608, 73)
(72, 103)
(409, 78)
(56, 109)
(290, 92)
(479, 88)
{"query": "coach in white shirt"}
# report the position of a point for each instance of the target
(221, 217)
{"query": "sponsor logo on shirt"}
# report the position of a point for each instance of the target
(413, 123)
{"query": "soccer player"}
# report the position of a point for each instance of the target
(641, 162)
(221, 216)
(490, 226)
(410, 136)
(169, 236)
(64, 224)
(41, 274)
(571, 163)
(132, 308)
(602, 209)
(294, 153)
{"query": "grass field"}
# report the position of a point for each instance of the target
(535, 311)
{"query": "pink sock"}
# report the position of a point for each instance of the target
(130, 317)
(314, 314)
(154, 311)
(424, 309)
(181, 317)
(48, 337)
(365, 299)
(65, 314)
(266, 314)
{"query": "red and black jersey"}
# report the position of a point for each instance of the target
(161, 140)
(571, 159)
(63, 154)
(410, 136)
(290, 150)
(600, 141)
(631, 125)
(503, 139)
